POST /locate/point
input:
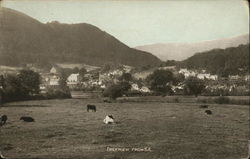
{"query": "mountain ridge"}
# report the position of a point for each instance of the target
(26, 40)
(224, 62)
(174, 51)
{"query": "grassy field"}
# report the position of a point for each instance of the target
(64, 129)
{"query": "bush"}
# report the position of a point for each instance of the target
(194, 86)
(54, 93)
(116, 90)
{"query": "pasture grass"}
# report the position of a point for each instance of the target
(64, 129)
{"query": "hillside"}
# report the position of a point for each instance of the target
(26, 40)
(230, 61)
(181, 51)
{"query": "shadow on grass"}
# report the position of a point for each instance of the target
(6, 147)
(9, 105)
(54, 134)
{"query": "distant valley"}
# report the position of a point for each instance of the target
(181, 51)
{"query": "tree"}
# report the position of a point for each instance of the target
(63, 80)
(82, 72)
(30, 81)
(194, 86)
(116, 90)
(63, 90)
(106, 67)
(126, 77)
(160, 81)
(75, 70)
(178, 78)
(1, 81)
(13, 89)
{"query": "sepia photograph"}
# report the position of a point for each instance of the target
(124, 79)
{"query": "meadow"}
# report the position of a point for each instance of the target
(64, 129)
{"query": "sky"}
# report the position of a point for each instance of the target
(142, 22)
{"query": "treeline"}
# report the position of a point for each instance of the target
(25, 85)
(223, 62)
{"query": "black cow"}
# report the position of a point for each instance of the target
(111, 116)
(91, 107)
(209, 112)
(27, 119)
(3, 118)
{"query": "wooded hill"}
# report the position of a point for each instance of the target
(25, 40)
(230, 61)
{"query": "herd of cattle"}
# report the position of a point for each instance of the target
(4, 118)
(109, 119)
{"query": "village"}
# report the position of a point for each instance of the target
(97, 79)
(92, 78)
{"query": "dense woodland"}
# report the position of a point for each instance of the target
(224, 62)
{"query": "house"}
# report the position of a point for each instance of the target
(214, 77)
(187, 73)
(55, 70)
(203, 75)
(234, 77)
(171, 68)
(42, 88)
(145, 89)
(54, 80)
(73, 79)
(142, 75)
(127, 69)
(247, 78)
(135, 87)
(207, 76)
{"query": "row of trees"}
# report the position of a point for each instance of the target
(21, 86)
(161, 82)
(26, 85)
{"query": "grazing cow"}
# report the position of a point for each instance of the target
(209, 112)
(91, 107)
(203, 106)
(3, 120)
(109, 119)
(27, 119)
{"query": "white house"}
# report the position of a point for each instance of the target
(145, 89)
(73, 79)
(54, 70)
(187, 73)
(135, 87)
(247, 77)
(203, 75)
(207, 76)
(214, 77)
(54, 80)
(234, 77)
